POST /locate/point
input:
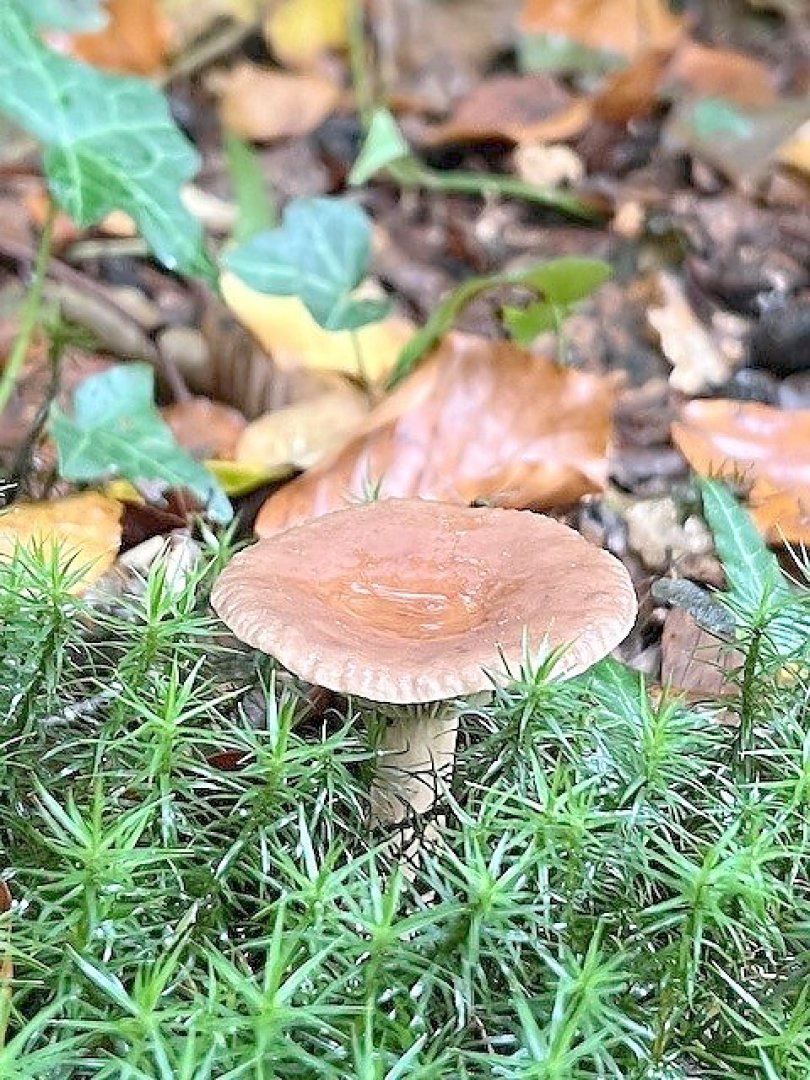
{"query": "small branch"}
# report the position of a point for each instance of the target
(30, 313)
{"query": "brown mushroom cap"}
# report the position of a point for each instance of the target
(405, 600)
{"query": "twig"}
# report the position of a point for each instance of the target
(30, 313)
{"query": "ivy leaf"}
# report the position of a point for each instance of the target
(74, 15)
(116, 431)
(384, 145)
(111, 143)
(319, 253)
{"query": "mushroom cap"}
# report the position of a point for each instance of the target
(405, 600)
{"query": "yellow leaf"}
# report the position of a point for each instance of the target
(84, 529)
(289, 333)
(796, 151)
(301, 434)
(298, 31)
(241, 477)
(124, 491)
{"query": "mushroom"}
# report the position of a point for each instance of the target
(410, 604)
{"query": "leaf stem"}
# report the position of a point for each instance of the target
(358, 61)
(30, 313)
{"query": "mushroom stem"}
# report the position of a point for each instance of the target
(417, 751)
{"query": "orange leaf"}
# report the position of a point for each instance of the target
(135, 40)
(479, 421)
(513, 108)
(622, 27)
(264, 105)
(207, 429)
(710, 72)
(766, 448)
(86, 530)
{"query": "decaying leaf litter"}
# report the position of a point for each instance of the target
(550, 266)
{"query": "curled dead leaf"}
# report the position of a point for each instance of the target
(264, 105)
(301, 434)
(85, 530)
(479, 421)
(514, 108)
(286, 330)
(764, 448)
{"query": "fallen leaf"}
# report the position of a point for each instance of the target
(697, 363)
(795, 153)
(205, 428)
(694, 662)
(708, 71)
(135, 39)
(765, 448)
(479, 421)
(264, 105)
(514, 108)
(614, 26)
(634, 90)
(301, 434)
(300, 31)
(190, 20)
(286, 330)
(85, 530)
(237, 478)
(740, 143)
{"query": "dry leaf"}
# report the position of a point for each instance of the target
(622, 27)
(135, 40)
(264, 105)
(288, 332)
(796, 151)
(697, 363)
(86, 530)
(480, 421)
(300, 31)
(205, 428)
(192, 19)
(765, 448)
(302, 434)
(695, 662)
(707, 71)
(633, 91)
(515, 108)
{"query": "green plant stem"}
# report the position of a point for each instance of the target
(748, 692)
(358, 61)
(30, 313)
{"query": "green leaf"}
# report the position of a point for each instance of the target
(320, 253)
(255, 207)
(84, 15)
(116, 431)
(561, 281)
(756, 586)
(111, 143)
(384, 144)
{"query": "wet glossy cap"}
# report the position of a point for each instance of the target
(405, 600)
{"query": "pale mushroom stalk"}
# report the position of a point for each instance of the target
(409, 605)
(417, 751)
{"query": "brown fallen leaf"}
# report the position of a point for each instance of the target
(634, 90)
(697, 362)
(286, 330)
(695, 662)
(300, 31)
(205, 428)
(264, 105)
(708, 71)
(85, 529)
(301, 434)
(135, 40)
(765, 448)
(479, 421)
(614, 26)
(513, 108)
